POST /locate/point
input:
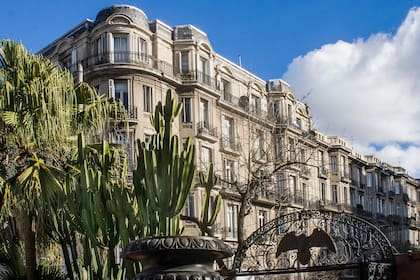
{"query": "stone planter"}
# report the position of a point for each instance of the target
(178, 257)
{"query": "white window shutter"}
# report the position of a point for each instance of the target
(235, 171)
(264, 106)
(129, 90)
(180, 62)
(74, 56)
(111, 88)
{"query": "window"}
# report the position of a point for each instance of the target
(204, 114)
(279, 184)
(352, 197)
(376, 181)
(379, 208)
(335, 194)
(206, 158)
(358, 176)
(345, 195)
(404, 188)
(391, 206)
(120, 48)
(186, 110)
(397, 187)
(303, 155)
(262, 218)
(121, 92)
(398, 209)
(278, 148)
(333, 164)
(361, 200)
(343, 166)
(370, 206)
(320, 159)
(100, 49)
(184, 62)
(292, 185)
(142, 49)
(258, 145)
(323, 191)
(276, 109)
(232, 221)
(228, 133)
(230, 170)
(204, 67)
(255, 104)
(147, 99)
(73, 66)
(292, 152)
(290, 113)
(369, 179)
(225, 88)
(190, 206)
(299, 122)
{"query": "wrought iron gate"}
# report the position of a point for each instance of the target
(315, 243)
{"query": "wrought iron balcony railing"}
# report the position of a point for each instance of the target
(230, 143)
(200, 77)
(131, 58)
(204, 128)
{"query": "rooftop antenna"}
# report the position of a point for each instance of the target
(239, 60)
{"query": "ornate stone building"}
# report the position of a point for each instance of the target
(257, 134)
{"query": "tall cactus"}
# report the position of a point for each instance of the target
(100, 209)
(165, 175)
(208, 216)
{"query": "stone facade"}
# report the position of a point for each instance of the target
(251, 129)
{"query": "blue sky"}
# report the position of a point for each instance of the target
(267, 34)
(359, 58)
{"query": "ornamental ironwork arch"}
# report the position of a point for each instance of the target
(312, 239)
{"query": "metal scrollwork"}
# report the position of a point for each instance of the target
(310, 239)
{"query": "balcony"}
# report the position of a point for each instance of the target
(323, 172)
(395, 219)
(227, 97)
(198, 77)
(230, 145)
(380, 191)
(305, 171)
(345, 176)
(132, 112)
(380, 216)
(137, 59)
(204, 131)
(355, 183)
(391, 194)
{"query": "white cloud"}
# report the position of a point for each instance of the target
(367, 90)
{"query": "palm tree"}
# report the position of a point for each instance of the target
(41, 112)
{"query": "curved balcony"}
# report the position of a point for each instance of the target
(137, 59)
